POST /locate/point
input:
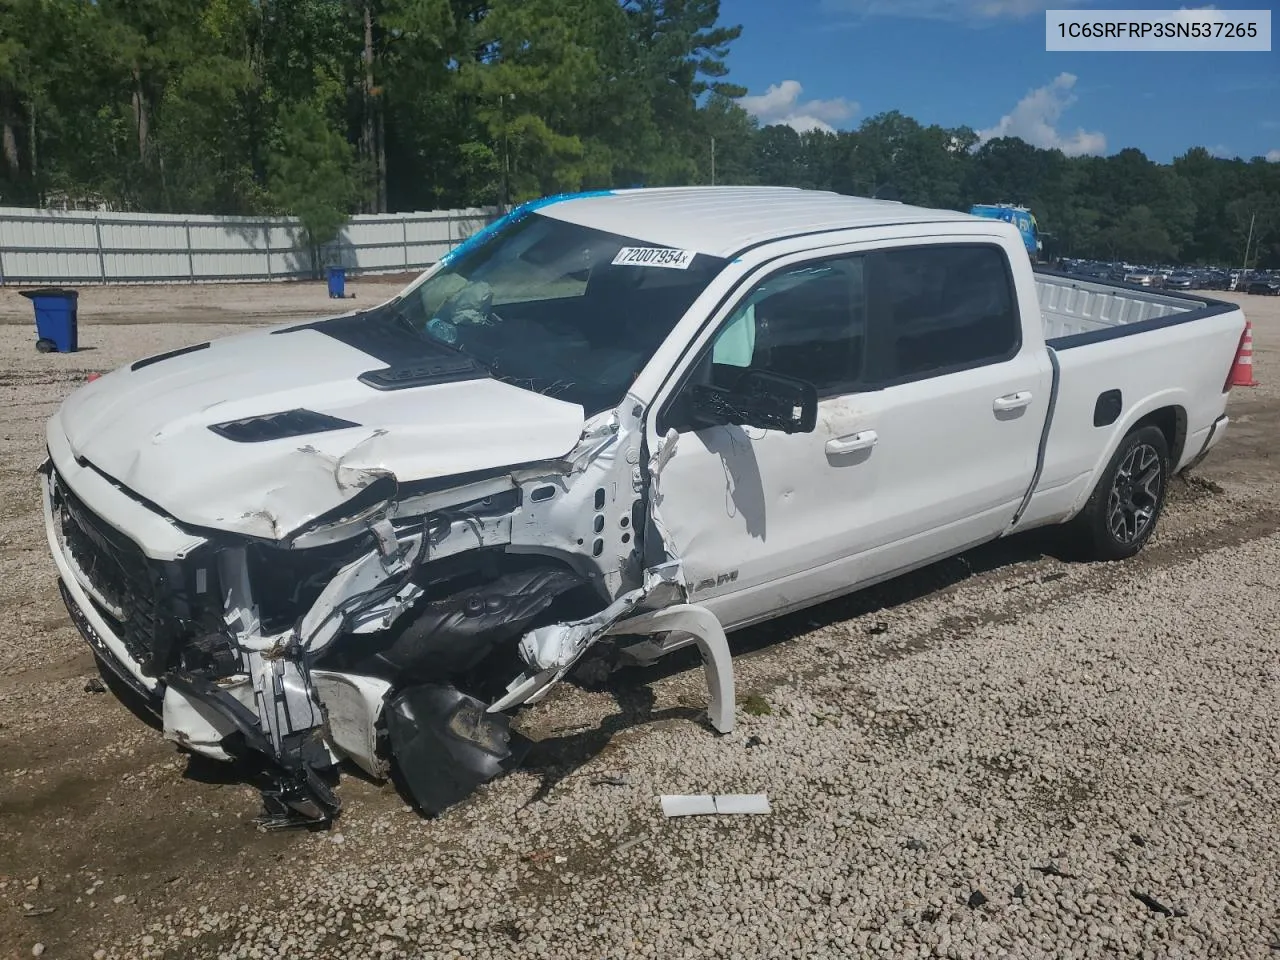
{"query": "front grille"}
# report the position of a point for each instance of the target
(117, 569)
(167, 613)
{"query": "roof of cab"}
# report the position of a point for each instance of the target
(721, 221)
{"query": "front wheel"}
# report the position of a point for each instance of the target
(1121, 514)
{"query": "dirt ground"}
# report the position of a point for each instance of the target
(1001, 755)
(232, 303)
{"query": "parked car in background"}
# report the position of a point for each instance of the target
(1180, 280)
(1214, 280)
(1142, 277)
(1086, 268)
(1265, 285)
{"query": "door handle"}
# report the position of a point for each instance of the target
(858, 441)
(1012, 401)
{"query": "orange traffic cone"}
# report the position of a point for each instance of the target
(1242, 371)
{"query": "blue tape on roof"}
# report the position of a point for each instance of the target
(518, 213)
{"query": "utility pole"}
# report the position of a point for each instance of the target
(382, 157)
(1247, 244)
(506, 154)
(713, 161)
(368, 131)
(31, 137)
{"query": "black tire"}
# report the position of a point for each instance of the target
(46, 346)
(1123, 509)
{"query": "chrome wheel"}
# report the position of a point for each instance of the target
(1135, 493)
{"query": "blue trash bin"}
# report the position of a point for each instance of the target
(337, 283)
(56, 325)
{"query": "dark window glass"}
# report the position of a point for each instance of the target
(805, 322)
(936, 309)
(867, 321)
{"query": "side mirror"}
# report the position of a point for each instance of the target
(761, 399)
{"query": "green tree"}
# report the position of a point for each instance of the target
(675, 61)
(1254, 221)
(734, 133)
(779, 157)
(56, 135)
(1136, 234)
(312, 175)
(326, 107)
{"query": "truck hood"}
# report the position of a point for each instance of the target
(148, 426)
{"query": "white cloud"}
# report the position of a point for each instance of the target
(1035, 117)
(1208, 12)
(1222, 152)
(781, 104)
(1273, 156)
(947, 9)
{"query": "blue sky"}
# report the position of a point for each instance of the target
(982, 63)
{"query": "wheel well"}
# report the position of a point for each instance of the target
(1172, 422)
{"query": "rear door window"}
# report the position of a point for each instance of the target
(938, 309)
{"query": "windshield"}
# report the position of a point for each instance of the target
(559, 308)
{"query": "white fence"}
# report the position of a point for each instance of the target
(47, 246)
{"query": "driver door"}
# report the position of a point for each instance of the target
(760, 518)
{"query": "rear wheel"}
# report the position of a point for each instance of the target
(1121, 514)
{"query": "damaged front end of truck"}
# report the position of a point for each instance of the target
(394, 630)
(370, 537)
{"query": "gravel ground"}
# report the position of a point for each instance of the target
(1004, 755)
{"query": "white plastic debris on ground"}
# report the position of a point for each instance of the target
(676, 805)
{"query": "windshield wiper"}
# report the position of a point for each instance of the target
(404, 321)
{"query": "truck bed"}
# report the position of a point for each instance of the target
(1148, 350)
(1072, 306)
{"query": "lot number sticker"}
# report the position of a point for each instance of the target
(654, 257)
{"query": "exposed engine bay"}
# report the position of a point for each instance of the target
(373, 536)
(397, 633)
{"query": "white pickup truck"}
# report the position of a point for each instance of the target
(374, 536)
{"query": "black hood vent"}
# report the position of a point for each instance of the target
(148, 361)
(415, 359)
(442, 370)
(279, 426)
